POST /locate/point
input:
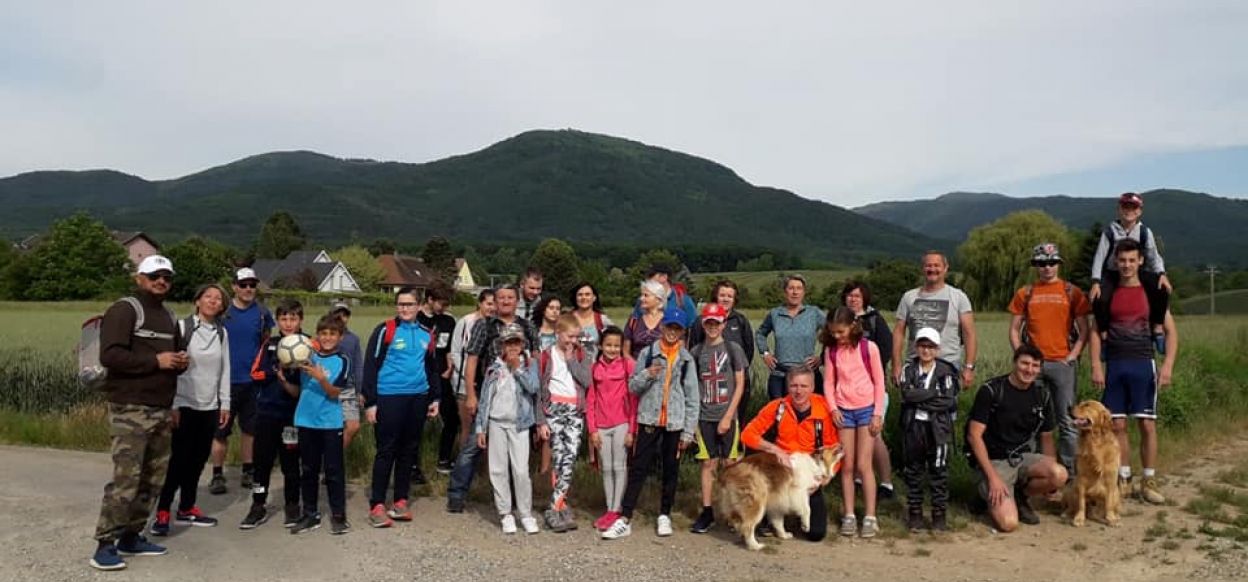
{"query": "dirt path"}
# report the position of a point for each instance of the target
(49, 502)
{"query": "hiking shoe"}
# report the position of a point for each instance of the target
(704, 522)
(620, 529)
(1149, 491)
(509, 524)
(255, 516)
(248, 481)
(444, 467)
(554, 521)
(885, 491)
(569, 520)
(529, 524)
(377, 517)
(454, 505)
(160, 527)
(217, 485)
(604, 522)
(194, 516)
(107, 558)
(939, 522)
(1126, 490)
(1026, 514)
(137, 545)
(400, 511)
(418, 477)
(849, 526)
(338, 525)
(914, 521)
(293, 514)
(663, 527)
(306, 524)
(870, 527)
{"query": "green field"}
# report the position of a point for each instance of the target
(1234, 302)
(753, 280)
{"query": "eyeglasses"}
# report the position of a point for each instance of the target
(927, 346)
(166, 277)
(246, 285)
(1045, 263)
(408, 304)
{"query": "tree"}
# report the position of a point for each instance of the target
(440, 259)
(654, 257)
(279, 236)
(1078, 266)
(996, 257)
(199, 261)
(382, 246)
(559, 265)
(362, 265)
(79, 259)
(889, 280)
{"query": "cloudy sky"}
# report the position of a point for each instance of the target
(850, 102)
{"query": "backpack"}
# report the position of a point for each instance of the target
(997, 391)
(1072, 335)
(91, 373)
(1145, 236)
(187, 327)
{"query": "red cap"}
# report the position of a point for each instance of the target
(1130, 199)
(714, 311)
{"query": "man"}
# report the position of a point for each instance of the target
(350, 398)
(482, 349)
(677, 295)
(1048, 314)
(942, 307)
(531, 293)
(1009, 413)
(433, 317)
(143, 364)
(247, 325)
(1129, 375)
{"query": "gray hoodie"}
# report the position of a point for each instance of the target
(683, 398)
(205, 385)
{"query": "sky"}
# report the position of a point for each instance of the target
(847, 102)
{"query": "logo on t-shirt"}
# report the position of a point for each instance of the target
(716, 388)
(933, 313)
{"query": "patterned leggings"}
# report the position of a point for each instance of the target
(565, 425)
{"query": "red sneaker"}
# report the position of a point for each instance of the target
(160, 527)
(194, 516)
(377, 517)
(400, 512)
(604, 522)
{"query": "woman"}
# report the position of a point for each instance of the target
(737, 329)
(796, 327)
(856, 295)
(201, 405)
(460, 338)
(545, 314)
(643, 330)
(588, 311)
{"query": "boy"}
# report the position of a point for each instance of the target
(318, 416)
(666, 380)
(350, 347)
(276, 437)
(721, 371)
(929, 398)
(564, 378)
(1105, 275)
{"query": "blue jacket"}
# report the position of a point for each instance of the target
(316, 409)
(272, 399)
(403, 366)
(526, 394)
(795, 335)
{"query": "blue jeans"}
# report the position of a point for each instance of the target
(465, 468)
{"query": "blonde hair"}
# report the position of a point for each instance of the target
(567, 322)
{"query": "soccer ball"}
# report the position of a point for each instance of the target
(294, 350)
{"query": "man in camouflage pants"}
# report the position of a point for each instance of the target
(140, 348)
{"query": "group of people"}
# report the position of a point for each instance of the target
(521, 373)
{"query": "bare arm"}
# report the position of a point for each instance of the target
(1016, 331)
(1047, 445)
(971, 344)
(899, 344)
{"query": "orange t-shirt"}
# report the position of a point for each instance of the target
(1049, 315)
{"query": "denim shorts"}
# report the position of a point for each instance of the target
(858, 417)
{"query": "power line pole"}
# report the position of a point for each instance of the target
(1212, 270)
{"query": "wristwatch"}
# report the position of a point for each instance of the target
(971, 366)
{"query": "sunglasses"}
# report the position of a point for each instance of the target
(1045, 263)
(158, 277)
(246, 285)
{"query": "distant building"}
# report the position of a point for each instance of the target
(463, 277)
(310, 270)
(405, 271)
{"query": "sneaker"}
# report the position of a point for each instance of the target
(444, 467)
(885, 491)
(256, 516)
(605, 521)
(194, 516)
(217, 485)
(454, 505)
(306, 524)
(400, 511)
(849, 526)
(509, 524)
(293, 513)
(160, 527)
(529, 524)
(870, 527)
(107, 558)
(569, 520)
(705, 520)
(1026, 514)
(248, 481)
(939, 523)
(914, 521)
(1149, 491)
(418, 477)
(664, 526)
(338, 525)
(377, 517)
(137, 545)
(554, 521)
(620, 529)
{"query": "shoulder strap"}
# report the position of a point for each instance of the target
(392, 325)
(818, 435)
(598, 321)
(866, 357)
(774, 431)
(139, 316)
(543, 363)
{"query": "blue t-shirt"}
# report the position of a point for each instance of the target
(315, 408)
(246, 327)
(404, 370)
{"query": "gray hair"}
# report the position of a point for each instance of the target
(655, 288)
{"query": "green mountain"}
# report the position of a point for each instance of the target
(568, 184)
(1194, 229)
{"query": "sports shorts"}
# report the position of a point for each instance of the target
(712, 445)
(1131, 388)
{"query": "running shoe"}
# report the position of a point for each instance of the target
(400, 511)
(617, 530)
(256, 516)
(217, 485)
(137, 545)
(107, 558)
(306, 524)
(377, 517)
(195, 516)
(160, 527)
(338, 525)
(663, 527)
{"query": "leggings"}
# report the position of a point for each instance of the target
(192, 442)
(652, 442)
(565, 424)
(613, 457)
(269, 448)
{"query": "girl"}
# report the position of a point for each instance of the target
(856, 295)
(588, 312)
(643, 330)
(611, 418)
(854, 387)
(545, 314)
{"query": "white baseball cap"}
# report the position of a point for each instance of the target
(928, 334)
(244, 274)
(155, 263)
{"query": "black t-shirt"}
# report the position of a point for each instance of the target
(1014, 421)
(440, 328)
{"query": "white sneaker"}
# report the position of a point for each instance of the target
(509, 524)
(529, 524)
(665, 526)
(620, 528)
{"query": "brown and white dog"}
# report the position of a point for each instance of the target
(1096, 479)
(760, 485)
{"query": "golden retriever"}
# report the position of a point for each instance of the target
(1096, 479)
(760, 485)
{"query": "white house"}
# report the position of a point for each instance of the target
(306, 270)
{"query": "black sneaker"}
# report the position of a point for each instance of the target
(293, 513)
(914, 520)
(885, 491)
(418, 477)
(217, 485)
(1026, 514)
(444, 467)
(255, 517)
(454, 505)
(704, 522)
(338, 525)
(194, 516)
(939, 523)
(306, 524)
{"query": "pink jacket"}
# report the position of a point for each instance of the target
(609, 403)
(853, 386)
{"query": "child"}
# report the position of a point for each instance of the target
(318, 416)
(854, 387)
(721, 369)
(564, 374)
(611, 418)
(505, 413)
(545, 315)
(276, 437)
(1152, 273)
(667, 416)
(929, 395)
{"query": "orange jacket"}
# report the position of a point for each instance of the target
(791, 436)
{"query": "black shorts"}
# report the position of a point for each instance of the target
(712, 445)
(242, 409)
